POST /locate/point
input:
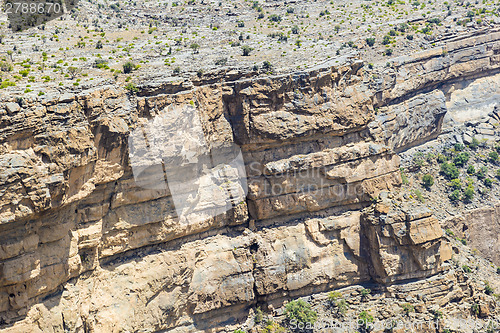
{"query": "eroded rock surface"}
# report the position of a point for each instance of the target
(83, 247)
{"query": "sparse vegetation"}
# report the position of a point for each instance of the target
(365, 292)
(449, 170)
(300, 311)
(246, 50)
(364, 319)
(428, 181)
(132, 88)
(128, 67)
(370, 41)
(407, 308)
(418, 195)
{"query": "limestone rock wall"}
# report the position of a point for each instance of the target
(482, 235)
(84, 248)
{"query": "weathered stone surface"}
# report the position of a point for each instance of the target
(73, 219)
(404, 243)
(481, 228)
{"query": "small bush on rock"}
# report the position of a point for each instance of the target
(469, 193)
(300, 311)
(449, 170)
(455, 195)
(461, 159)
(428, 181)
(128, 67)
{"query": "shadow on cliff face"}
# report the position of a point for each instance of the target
(50, 236)
(42, 265)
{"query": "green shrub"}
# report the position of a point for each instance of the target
(404, 177)
(428, 180)
(128, 67)
(365, 292)
(6, 84)
(365, 318)
(246, 50)
(195, 47)
(466, 269)
(267, 65)
(437, 314)
(333, 296)
(5, 66)
(418, 195)
(341, 306)
(455, 195)
(449, 170)
(408, 308)
(259, 316)
(131, 87)
(273, 327)
(388, 52)
(221, 62)
(275, 18)
(370, 41)
(459, 147)
(101, 63)
(300, 311)
(475, 309)
(471, 170)
(488, 289)
(488, 182)
(469, 193)
(73, 71)
(493, 156)
(24, 72)
(418, 160)
(430, 157)
(449, 232)
(456, 184)
(482, 172)
(441, 158)
(461, 159)
(336, 300)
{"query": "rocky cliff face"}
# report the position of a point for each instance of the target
(482, 235)
(85, 248)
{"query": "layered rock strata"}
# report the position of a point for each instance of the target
(84, 248)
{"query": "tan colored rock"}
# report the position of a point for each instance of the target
(73, 219)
